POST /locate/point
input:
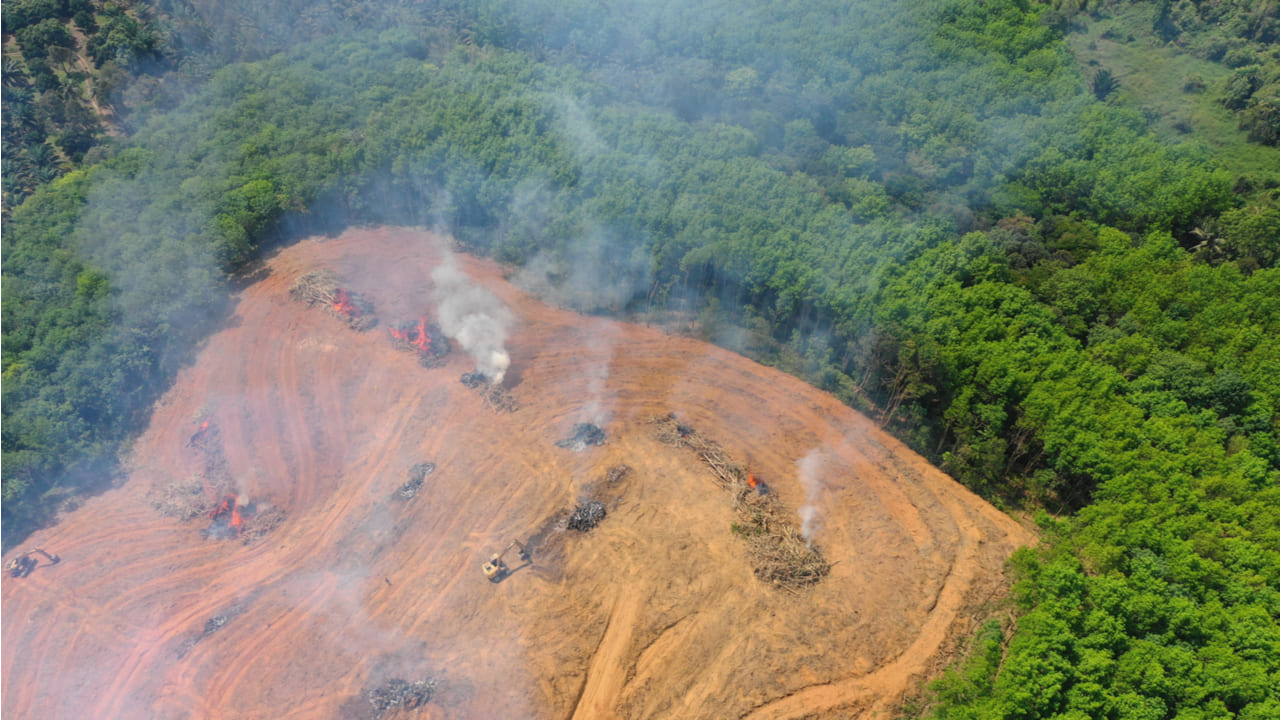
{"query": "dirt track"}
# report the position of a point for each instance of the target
(653, 614)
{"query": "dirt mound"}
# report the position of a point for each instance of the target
(654, 613)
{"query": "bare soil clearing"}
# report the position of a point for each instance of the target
(654, 613)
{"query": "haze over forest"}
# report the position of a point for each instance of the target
(1037, 241)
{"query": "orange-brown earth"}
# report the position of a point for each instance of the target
(654, 614)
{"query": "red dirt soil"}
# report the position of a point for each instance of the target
(653, 614)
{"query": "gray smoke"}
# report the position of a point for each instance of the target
(810, 469)
(474, 317)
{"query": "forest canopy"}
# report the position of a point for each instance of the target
(929, 208)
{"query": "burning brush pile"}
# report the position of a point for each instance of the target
(210, 494)
(423, 339)
(234, 518)
(322, 287)
(584, 435)
(493, 394)
(779, 554)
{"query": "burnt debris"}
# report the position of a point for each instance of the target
(211, 626)
(494, 396)
(397, 693)
(584, 435)
(475, 379)
(417, 475)
(617, 474)
(587, 515)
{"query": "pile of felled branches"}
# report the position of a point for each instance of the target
(778, 553)
(322, 287)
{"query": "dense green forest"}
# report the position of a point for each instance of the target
(974, 220)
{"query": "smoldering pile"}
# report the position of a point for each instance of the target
(584, 435)
(586, 515)
(424, 339)
(474, 379)
(779, 554)
(592, 509)
(396, 693)
(323, 288)
(417, 475)
(494, 396)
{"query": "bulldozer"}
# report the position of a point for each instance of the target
(22, 565)
(497, 570)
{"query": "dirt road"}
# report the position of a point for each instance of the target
(653, 614)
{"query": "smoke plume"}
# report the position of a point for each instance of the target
(810, 470)
(474, 317)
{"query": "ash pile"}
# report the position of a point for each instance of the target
(395, 694)
(424, 339)
(323, 288)
(584, 435)
(417, 476)
(494, 396)
(586, 515)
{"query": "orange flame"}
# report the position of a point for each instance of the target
(342, 303)
(417, 337)
(751, 480)
(204, 426)
(424, 341)
(229, 504)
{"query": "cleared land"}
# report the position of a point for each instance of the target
(653, 613)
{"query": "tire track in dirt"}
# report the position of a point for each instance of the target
(603, 684)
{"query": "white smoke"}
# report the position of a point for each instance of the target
(475, 317)
(810, 470)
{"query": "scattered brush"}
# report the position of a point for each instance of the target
(182, 500)
(728, 473)
(617, 474)
(779, 555)
(262, 521)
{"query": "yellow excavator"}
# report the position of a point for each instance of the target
(497, 570)
(22, 565)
